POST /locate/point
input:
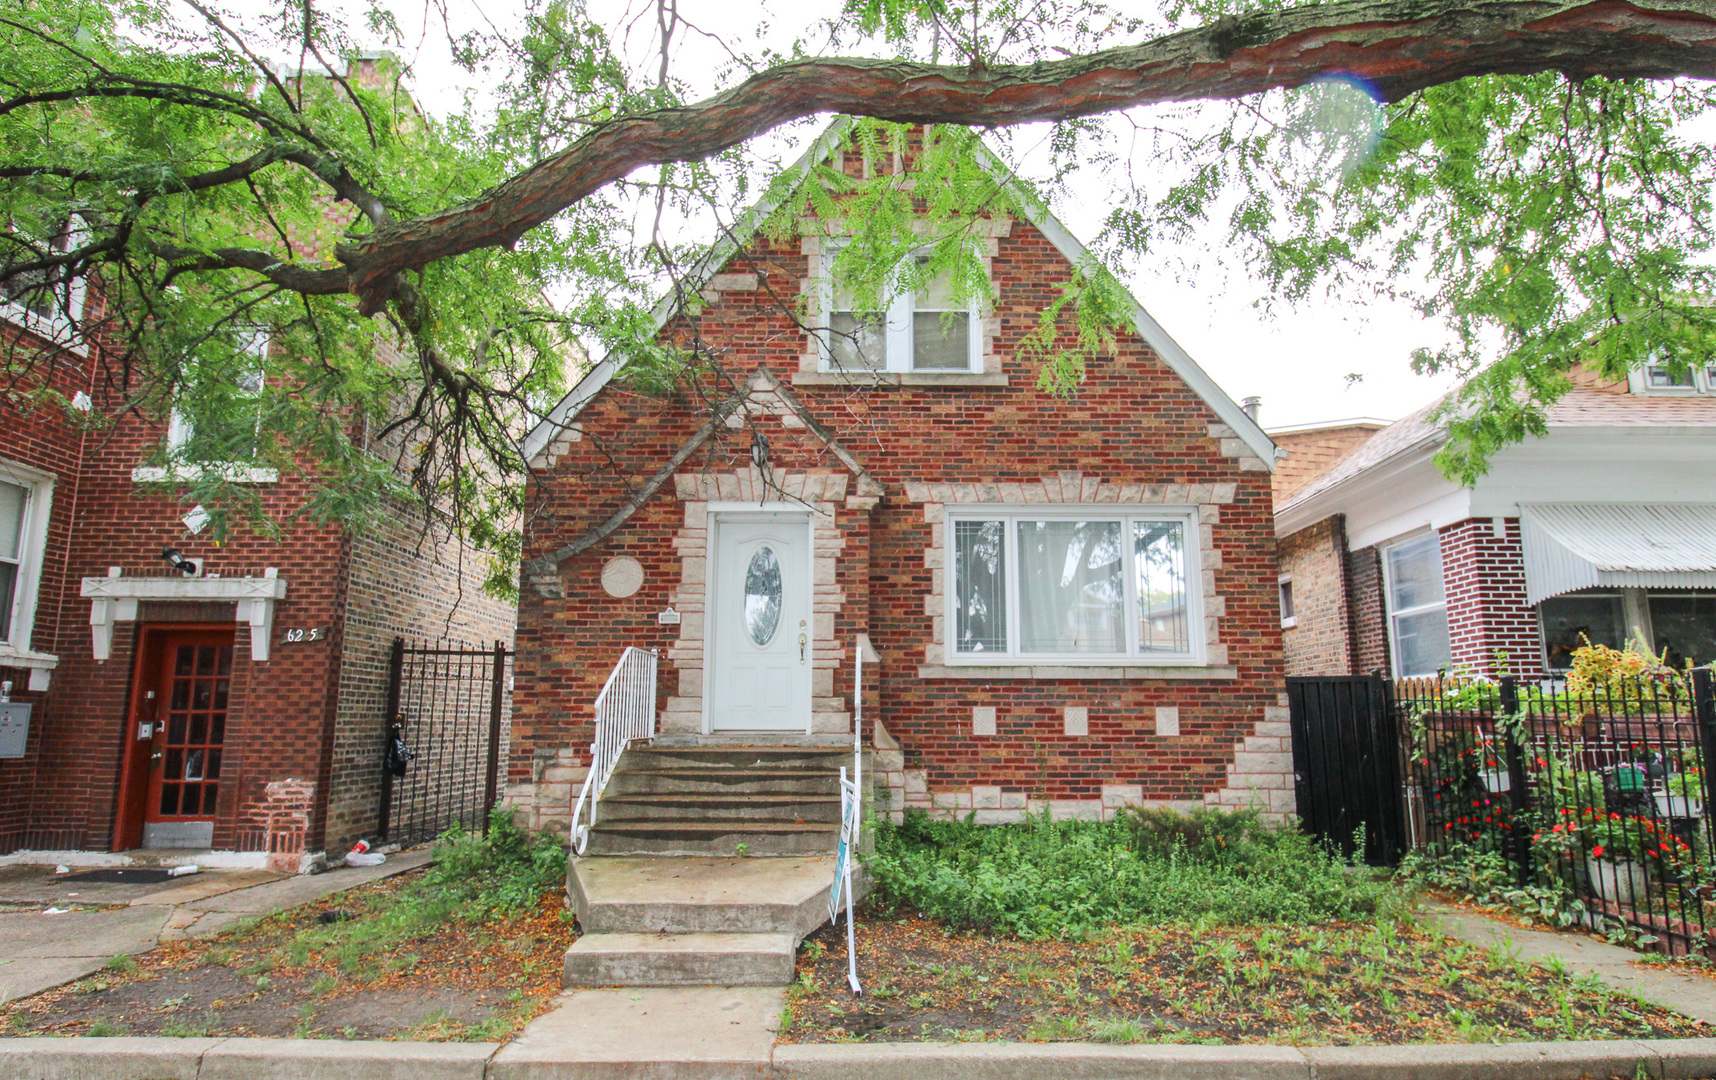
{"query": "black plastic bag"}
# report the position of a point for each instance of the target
(398, 756)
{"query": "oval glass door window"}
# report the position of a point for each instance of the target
(763, 596)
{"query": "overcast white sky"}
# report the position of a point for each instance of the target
(1297, 361)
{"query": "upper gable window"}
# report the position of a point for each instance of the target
(920, 329)
(1664, 380)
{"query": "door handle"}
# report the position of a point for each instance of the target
(801, 641)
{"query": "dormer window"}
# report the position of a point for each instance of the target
(1671, 381)
(923, 328)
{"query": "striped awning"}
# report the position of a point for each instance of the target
(1572, 546)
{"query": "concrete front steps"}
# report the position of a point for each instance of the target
(721, 800)
(693, 920)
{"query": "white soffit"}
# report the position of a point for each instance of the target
(1177, 359)
(1572, 546)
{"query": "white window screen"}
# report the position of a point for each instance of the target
(941, 328)
(1159, 553)
(980, 567)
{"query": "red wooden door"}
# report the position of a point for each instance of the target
(189, 728)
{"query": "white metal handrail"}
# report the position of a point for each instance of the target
(625, 712)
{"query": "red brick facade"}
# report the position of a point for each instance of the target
(995, 742)
(1491, 629)
(304, 722)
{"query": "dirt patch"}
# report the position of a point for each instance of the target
(322, 970)
(1334, 984)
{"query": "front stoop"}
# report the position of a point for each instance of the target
(694, 920)
(721, 800)
(681, 960)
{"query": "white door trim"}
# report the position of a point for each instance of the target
(719, 512)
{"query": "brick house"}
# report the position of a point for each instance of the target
(239, 709)
(1602, 529)
(1062, 603)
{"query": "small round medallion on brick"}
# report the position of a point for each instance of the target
(622, 576)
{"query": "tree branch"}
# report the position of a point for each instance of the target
(1399, 46)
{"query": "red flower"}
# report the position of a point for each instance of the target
(1597, 852)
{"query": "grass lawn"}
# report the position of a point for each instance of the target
(1161, 928)
(469, 948)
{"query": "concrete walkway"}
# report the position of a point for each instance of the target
(104, 920)
(1689, 995)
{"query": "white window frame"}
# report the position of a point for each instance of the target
(21, 619)
(1388, 610)
(1703, 381)
(1284, 596)
(897, 340)
(1132, 657)
(179, 433)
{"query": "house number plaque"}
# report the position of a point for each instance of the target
(622, 576)
(298, 635)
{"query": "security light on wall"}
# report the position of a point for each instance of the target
(188, 567)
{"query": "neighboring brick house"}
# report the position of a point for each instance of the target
(239, 709)
(1064, 603)
(1603, 529)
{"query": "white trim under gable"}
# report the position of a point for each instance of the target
(560, 419)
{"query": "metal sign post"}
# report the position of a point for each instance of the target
(843, 875)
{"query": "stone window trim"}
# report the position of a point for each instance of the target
(19, 627)
(817, 241)
(114, 598)
(824, 495)
(1062, 489)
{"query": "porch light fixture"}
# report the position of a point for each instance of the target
(759, 451)
(179, 562)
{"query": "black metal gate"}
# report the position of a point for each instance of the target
(448, 704)
(1347, 763)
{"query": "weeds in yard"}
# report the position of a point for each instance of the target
(104, 1029)
(123, 964)
(200, 1028)
(1053, 1029)
(1046, 878)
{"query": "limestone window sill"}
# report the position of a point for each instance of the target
(233, 472)
(1048, 671)
(898, 378)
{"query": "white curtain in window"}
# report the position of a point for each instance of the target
(1072, 595)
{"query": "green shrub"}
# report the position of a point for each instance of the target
(1046, 878)
(504, 870)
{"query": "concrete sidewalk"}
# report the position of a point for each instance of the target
(1689, 995)
(104, 920)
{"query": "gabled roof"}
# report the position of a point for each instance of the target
(566, 411)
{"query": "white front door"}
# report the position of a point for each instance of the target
(757, 631)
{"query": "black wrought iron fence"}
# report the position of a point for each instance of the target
(1599, 792)
(447, 706)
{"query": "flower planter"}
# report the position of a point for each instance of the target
(1497, 780)
(1619, 881)
(1679, 806)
